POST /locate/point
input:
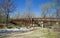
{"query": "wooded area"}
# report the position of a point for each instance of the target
(8, 6)
(30, 15)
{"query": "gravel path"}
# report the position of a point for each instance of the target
(32, 34)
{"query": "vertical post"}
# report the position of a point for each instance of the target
(57, 23)
(42, 24)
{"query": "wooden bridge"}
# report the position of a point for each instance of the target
(40, 21)
(31, 20)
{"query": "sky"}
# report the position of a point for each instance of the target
(35, 6)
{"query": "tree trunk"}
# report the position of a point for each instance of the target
(7, 18)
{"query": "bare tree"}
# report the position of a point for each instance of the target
(7, 7)
(45, 9)
(56, 4)
(17, 15)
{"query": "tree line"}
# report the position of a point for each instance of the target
(8, 6)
